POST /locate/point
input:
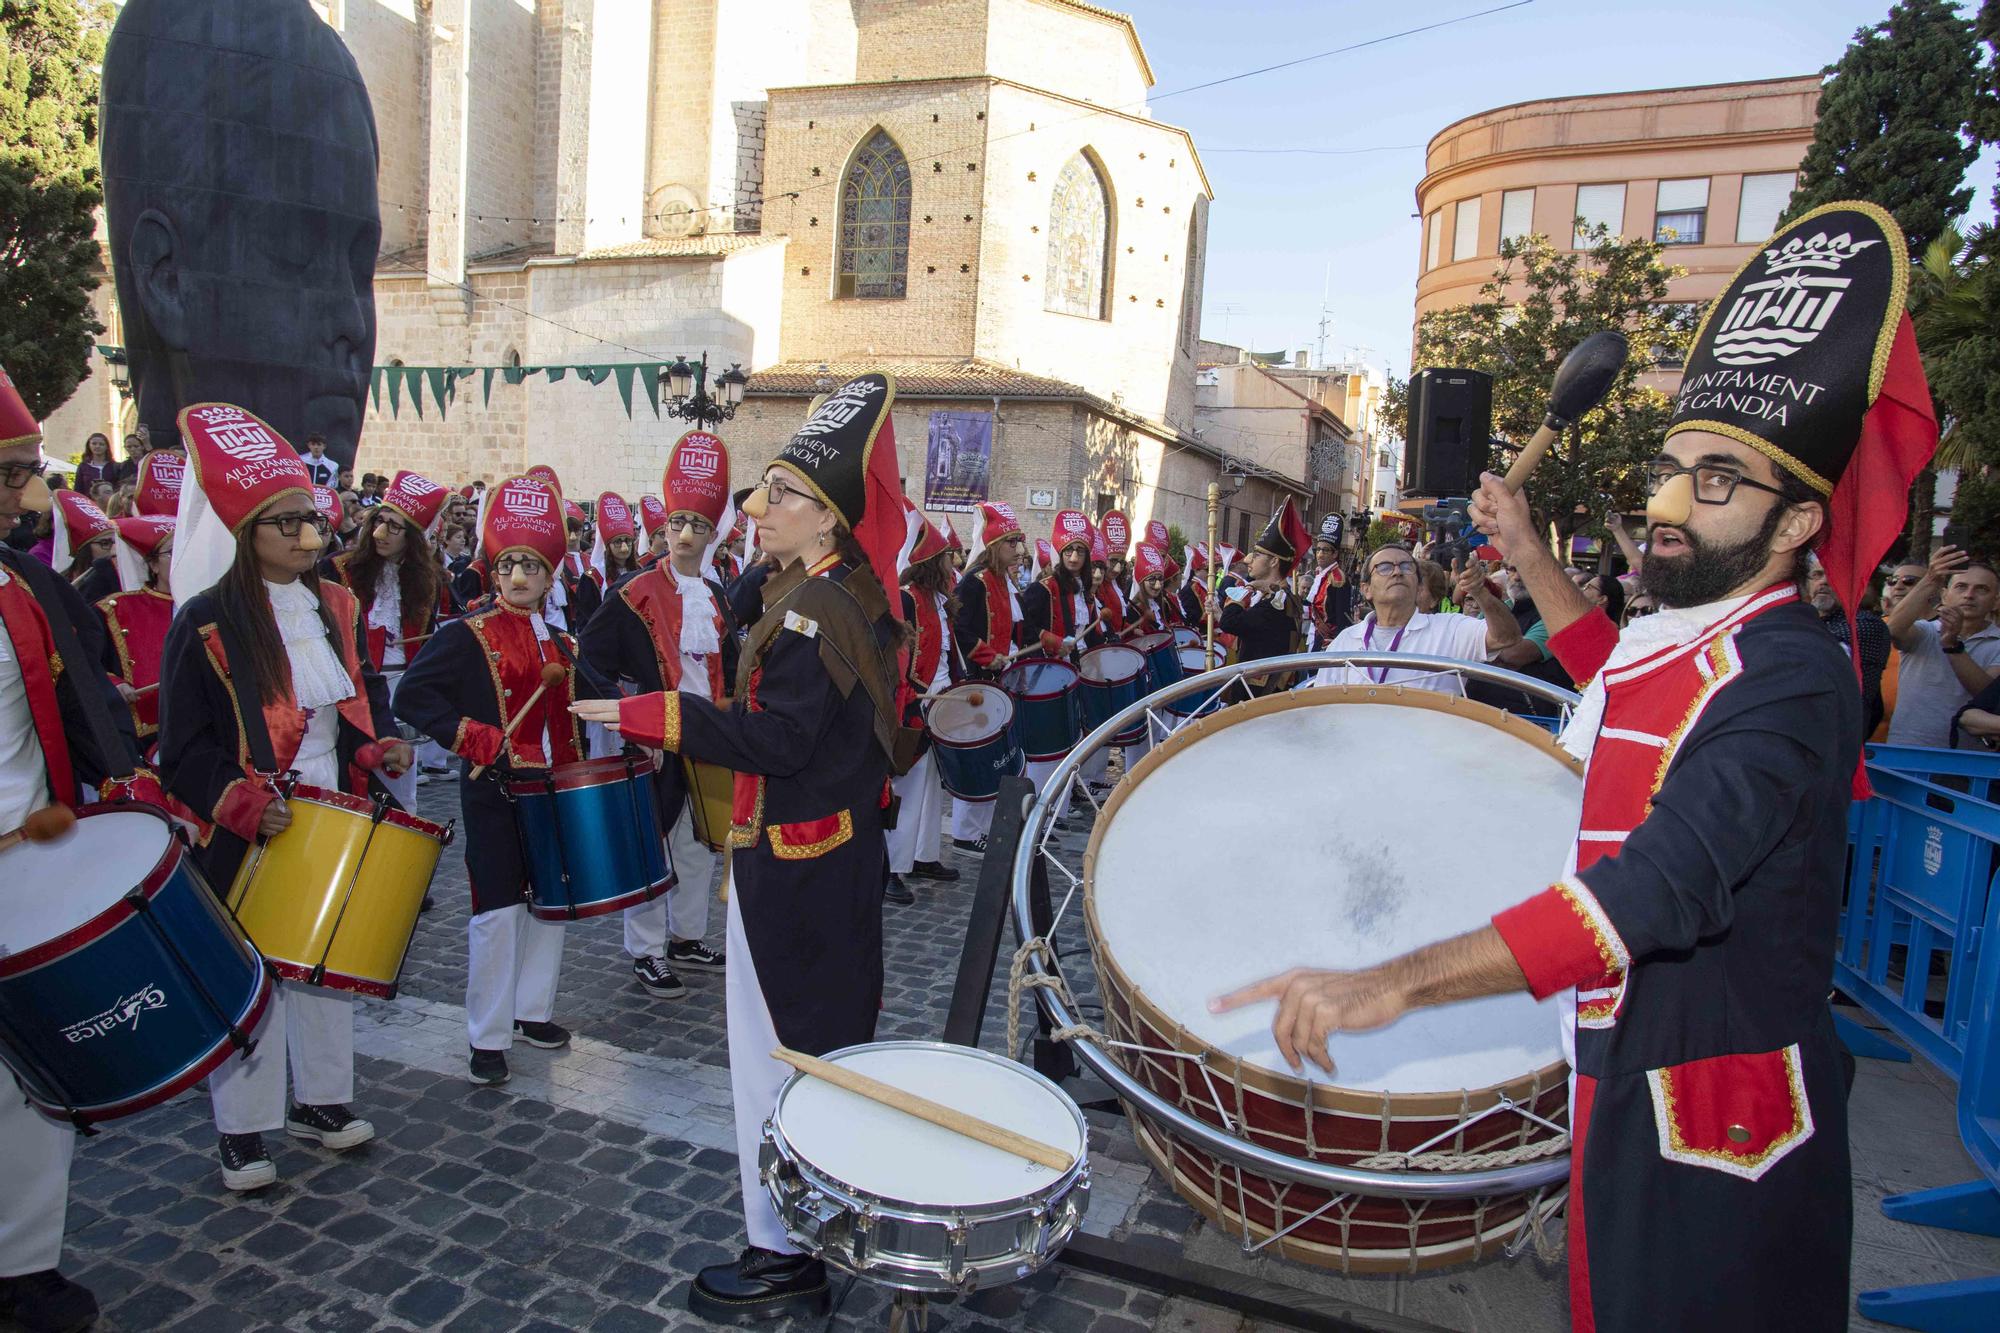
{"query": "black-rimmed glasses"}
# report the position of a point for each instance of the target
(289, 524)
(777, 492)
(701, 526)
(1714, 483)
(15, 475)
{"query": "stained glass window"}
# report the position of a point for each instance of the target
(875, 221)
(1079, 241)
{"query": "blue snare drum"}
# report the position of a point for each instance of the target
(590, 838)
(123, 982)
(1114, 676)
(1163, 659)
(972, 735)
(1194, 662)
(1045, 702)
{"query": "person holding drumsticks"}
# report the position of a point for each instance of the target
(810, 736)
(1692, 933)
(136, 620)
(266, 670)
(494, 688)
(935, 665)
(986, 628)
(669, 628)
(1263, 618)
(1059, 614)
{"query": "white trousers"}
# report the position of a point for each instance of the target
(754, 1080)
(971, 820)
(34, 1185)
(314, 1028)
(681, 911)
(919, 827)
(514, 960)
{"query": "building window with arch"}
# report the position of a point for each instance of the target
(1079, 266)
(1191, 280)
(875, 221)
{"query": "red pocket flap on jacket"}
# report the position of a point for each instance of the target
(1735, 1113)
(811, 837)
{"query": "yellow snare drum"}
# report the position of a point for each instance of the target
(333, 900)
(710, 793)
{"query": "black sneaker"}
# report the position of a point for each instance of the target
(696, 955)
(47, 1302)
(333, 1127)
(245, 1163)
(548, 1036)
(974, 845)
(488, 1068)
(897, 892)
(936, 870)
(761, 1285)
(657, 978)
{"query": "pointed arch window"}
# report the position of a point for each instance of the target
(1079, 262)
(1191, 271)
(875, 221)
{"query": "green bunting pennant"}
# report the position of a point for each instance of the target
(413, 380)
(556, 372)
(650, 377)
(440, 382)
(515, 374)
(486, 387)
(375, 387)
(624, 377)
(395, 390)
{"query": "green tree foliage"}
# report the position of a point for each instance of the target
(1893, 121)
(1540, 303)
(50, 51)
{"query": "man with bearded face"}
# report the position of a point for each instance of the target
(1691, 933)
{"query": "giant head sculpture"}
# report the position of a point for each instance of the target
(239, 182)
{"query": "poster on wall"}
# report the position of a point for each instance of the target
(958, 460)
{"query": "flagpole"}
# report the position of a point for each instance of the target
(1214, 583)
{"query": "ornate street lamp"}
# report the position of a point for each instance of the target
(688, 396)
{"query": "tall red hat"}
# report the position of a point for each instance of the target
(996, 522)
(1071, 528)
(1117, 534)
(696, 480)
(17, 423)
(924, 542)
(951, 538)
(1045, 554)
(652, 513)
(417, 498)
(545, 474)
(159, 491)
(78, 523)
(1156, 534)
(1151, 560)
(1100, 550)
(614, 517)
(241, 466)
(573, 512)
(524, 514)
(139, 540)
(325, 499)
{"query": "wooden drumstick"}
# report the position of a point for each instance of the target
(45, 825)
(975, 697)
(552, 673)
(144, 690)
(945, 1117)
(1582, 380)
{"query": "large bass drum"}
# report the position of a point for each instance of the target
(1334, 827)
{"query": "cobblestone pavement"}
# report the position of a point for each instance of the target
(585, 1193)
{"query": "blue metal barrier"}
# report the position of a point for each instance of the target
(1919, 903)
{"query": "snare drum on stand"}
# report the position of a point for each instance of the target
(972, 735)
(1049, 719)
(1163, 659)
(1176, 916)
(590, 837)
(123, 981)
(1112, 677)
(333, 900)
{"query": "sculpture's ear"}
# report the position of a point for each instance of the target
(154, 250)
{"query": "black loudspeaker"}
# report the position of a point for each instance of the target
(1450, 431)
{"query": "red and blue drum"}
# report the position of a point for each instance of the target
(972, 735)
(1163, 659)
(123, 982)
(1195, 660)
(590, 837)
(1113, 678)
(1048, 717)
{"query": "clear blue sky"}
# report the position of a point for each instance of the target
(1280, 219)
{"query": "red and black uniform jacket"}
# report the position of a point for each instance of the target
(84, 728)
(1050, 616)
(984, 627)
(636, 636)
(1698, 930)
(220, 747)
(417, 622)
(812, 779)
(135, 629)
(466, 684)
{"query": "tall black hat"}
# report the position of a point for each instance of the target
(846, 452)
(1284, 536)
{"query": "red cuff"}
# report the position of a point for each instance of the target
(1584, 646)
(140, 786)
(985, 654)
(652, 720)
(1052, 644)
(1561, 937)
(242, 806)
(479, 742)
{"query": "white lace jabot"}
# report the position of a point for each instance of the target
(318, 678)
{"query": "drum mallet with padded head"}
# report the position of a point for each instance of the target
(45, 825)
(923, 1108)
(1582, 380)
(552, 673)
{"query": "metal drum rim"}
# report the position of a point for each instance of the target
(348, 803)
(1265, 1161)
(115, 913)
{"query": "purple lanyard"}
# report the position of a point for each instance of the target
(1381, 674)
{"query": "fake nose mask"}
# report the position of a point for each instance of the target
(757, 503)
(35, 496)
(309, 538)
(518, 579)
(1673, 503)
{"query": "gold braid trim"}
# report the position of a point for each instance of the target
(806, 851)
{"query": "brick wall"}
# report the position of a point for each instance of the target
(391, 48)
(1046, 44)
(500, 125)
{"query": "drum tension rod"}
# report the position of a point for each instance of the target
(142, 908)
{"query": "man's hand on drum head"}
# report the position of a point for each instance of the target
(276, 818)
(1502, 514)
(1313, 1005)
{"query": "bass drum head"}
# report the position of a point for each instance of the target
(1039, 678)
(956, 718)
(48, 889)
(1339, 828)
(890, 1155)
